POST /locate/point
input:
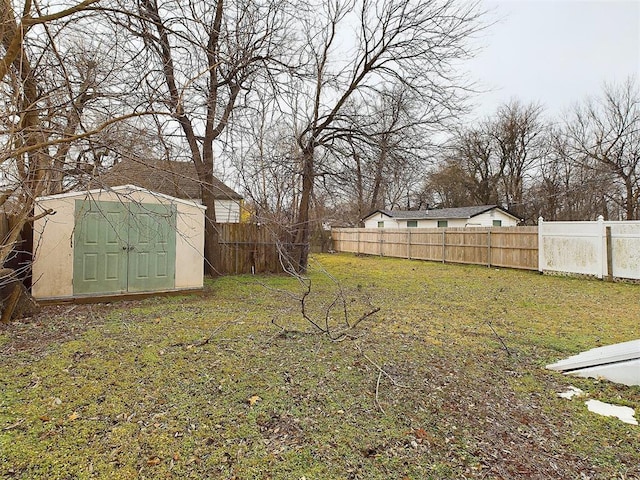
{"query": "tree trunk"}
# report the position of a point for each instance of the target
(300, 256)
(630, 207)
(212, 257)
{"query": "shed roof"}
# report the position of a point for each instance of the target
(440, 213)
(123, 190)
(176, 179)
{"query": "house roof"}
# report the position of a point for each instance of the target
(176, 179)
(440, 213)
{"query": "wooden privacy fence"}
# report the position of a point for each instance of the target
(512, 247)
(249, 248)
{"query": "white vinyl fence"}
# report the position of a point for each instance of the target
(602, 249)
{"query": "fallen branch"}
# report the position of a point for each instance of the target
(377, 401)
(380, 369)
(365, 316)
(499, 338)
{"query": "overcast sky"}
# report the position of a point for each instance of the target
(555, 52)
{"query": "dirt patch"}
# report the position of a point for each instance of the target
(280, 432)
(52, 324)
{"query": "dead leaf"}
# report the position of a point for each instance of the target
(45, 418)
(73, 416)
(253, 400)
(153, 461)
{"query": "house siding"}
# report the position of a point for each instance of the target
(372, 222)
(227, 211)
(486, 219)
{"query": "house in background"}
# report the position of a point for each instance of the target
(176, 179)
(476, 216)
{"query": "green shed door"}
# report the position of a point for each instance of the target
(152, 247)
(120, 248)
(100, 248)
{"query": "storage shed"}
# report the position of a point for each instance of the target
(117, 241)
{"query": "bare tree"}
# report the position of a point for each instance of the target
(566, 186)
(381, 157)
(396, 42)
(605, 134)
(470, 162)
(202, 60)
(494, 162)
(518, 132)
(446, 186)
(35, 135)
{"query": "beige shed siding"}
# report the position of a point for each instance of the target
(53, 240)
(189, 247)
(53, 259)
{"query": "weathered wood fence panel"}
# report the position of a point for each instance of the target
(249, 248)
(512, 247)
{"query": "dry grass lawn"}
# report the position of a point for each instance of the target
(446, 381)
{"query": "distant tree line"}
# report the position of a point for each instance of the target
(577, 167)
(582, 166)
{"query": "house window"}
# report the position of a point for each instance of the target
(412, 223)
(443, 223)
(380, 224)
(497, 223)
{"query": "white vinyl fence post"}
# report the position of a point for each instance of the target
(602, 257)
(540, 244)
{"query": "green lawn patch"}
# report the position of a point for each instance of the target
(447, 380)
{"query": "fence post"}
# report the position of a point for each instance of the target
(489, 249)
(540, 244)
(603, 247)
(409, 244)
(236, 257)
(358, 242)
(444, 245)
(609, 255)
